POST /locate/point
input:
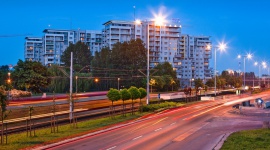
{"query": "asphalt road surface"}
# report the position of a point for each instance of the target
(198, 126)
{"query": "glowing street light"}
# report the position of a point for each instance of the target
(264, 66)
(222, 47)
(76, 84)
(158, 21)
(248, 56)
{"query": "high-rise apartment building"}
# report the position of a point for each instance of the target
(33, 48)
(187, 54)
(49, 48)
(192, 59)
(163, 39)
(117, 31)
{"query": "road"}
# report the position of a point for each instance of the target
(198, 126)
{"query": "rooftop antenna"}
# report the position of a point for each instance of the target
(134, 7)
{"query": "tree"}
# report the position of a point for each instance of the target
(198, 84)
(113, 95)
(81, 54)
(143, 94)
(125, 95)
(164, 76)
(152, 82)
(31, 76)
(3, 103)
(4, 75)
(210, 83)
(135, 94)
(172, 82)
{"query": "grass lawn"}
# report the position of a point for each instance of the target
(248, 140)
(20, 140)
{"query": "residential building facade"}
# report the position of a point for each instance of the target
(192, 59)
(187, 54)
(33, 47)
(49, 48)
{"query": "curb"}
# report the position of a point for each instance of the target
(222, 140)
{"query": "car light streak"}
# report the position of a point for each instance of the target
(202, 113)
(175, 118)
(188, 133)
(172, 124)
(111, 148)
(137, 137)
(158, 129)
(160, 120)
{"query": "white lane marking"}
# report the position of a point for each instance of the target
(111, 148)
(158, 129)
(172, 124)
(137, 137)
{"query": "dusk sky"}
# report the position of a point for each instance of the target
(243, 24)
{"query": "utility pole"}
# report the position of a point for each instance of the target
(70, 89)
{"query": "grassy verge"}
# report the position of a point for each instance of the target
(19, 141)
(248, 140)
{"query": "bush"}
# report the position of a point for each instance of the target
(153, 107)
(256, 91)
(18, 93)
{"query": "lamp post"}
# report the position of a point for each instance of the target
(248, 56)
(147, 74)
(158, 21)
(191, 80)
(76, 84)
(9, 81)
(264, 65)
(221, 47)
(118, 79)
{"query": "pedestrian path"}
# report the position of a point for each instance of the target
(41, 116)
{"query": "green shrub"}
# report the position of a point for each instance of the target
(153, 107)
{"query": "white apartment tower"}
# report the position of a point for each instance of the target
(187, 54)
(33, 48)
(163, 39)
(117, 31)
(91, 38)
(55, 43)
(50, 47)
(192, 59)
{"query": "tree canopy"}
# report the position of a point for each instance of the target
(165, 77)
(81, 54)
(31, 75)
(123, 61)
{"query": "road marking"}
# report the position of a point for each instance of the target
(158, 129)
(111, 148)
(137, 137)
(172, 124)
(160, 120)
(188, 133)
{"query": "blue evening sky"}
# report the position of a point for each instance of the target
(242, 24)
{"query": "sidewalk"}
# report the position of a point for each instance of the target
(41, 116)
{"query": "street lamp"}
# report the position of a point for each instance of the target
(76, 84)
(191, 80)
(248, 56)
(118, 79)
(9, 82)
(158, 21)
(221, 46)
(262, 64)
